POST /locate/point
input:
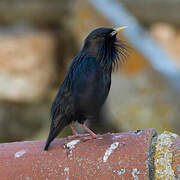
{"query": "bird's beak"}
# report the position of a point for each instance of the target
(120, 29)
(117, 30)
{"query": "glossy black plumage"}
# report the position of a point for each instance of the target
(87, 83)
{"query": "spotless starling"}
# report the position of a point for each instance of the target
(87, 83)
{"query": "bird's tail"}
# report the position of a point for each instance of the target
(54, 132)
(51, 137)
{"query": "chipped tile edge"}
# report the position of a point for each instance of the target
(151, 152)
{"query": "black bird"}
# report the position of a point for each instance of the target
(87, 83)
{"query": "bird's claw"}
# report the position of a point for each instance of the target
(76, 136)
(84, 139)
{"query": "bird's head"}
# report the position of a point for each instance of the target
(103, 44)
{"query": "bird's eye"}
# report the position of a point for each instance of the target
(113, 33)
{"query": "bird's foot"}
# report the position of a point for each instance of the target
(77, 136)
(91, 134)
(84, 139)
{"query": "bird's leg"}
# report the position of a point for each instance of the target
(93, 135)
(75, 134)
(73, 130)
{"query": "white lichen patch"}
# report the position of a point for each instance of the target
(66, 169)
(19, 153)
(163, 156)
(118, 136)
(135, 173)
(122, 171)
(71, 145)
(100, 138)
(110, 150)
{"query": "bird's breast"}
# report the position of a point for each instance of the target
(96, 90)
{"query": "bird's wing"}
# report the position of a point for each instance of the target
(61, 114)
(62, 108)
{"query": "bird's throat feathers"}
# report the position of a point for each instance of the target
(109, 53)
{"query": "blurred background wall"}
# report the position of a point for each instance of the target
(39, 40)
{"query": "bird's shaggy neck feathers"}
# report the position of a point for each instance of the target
(108, 53)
